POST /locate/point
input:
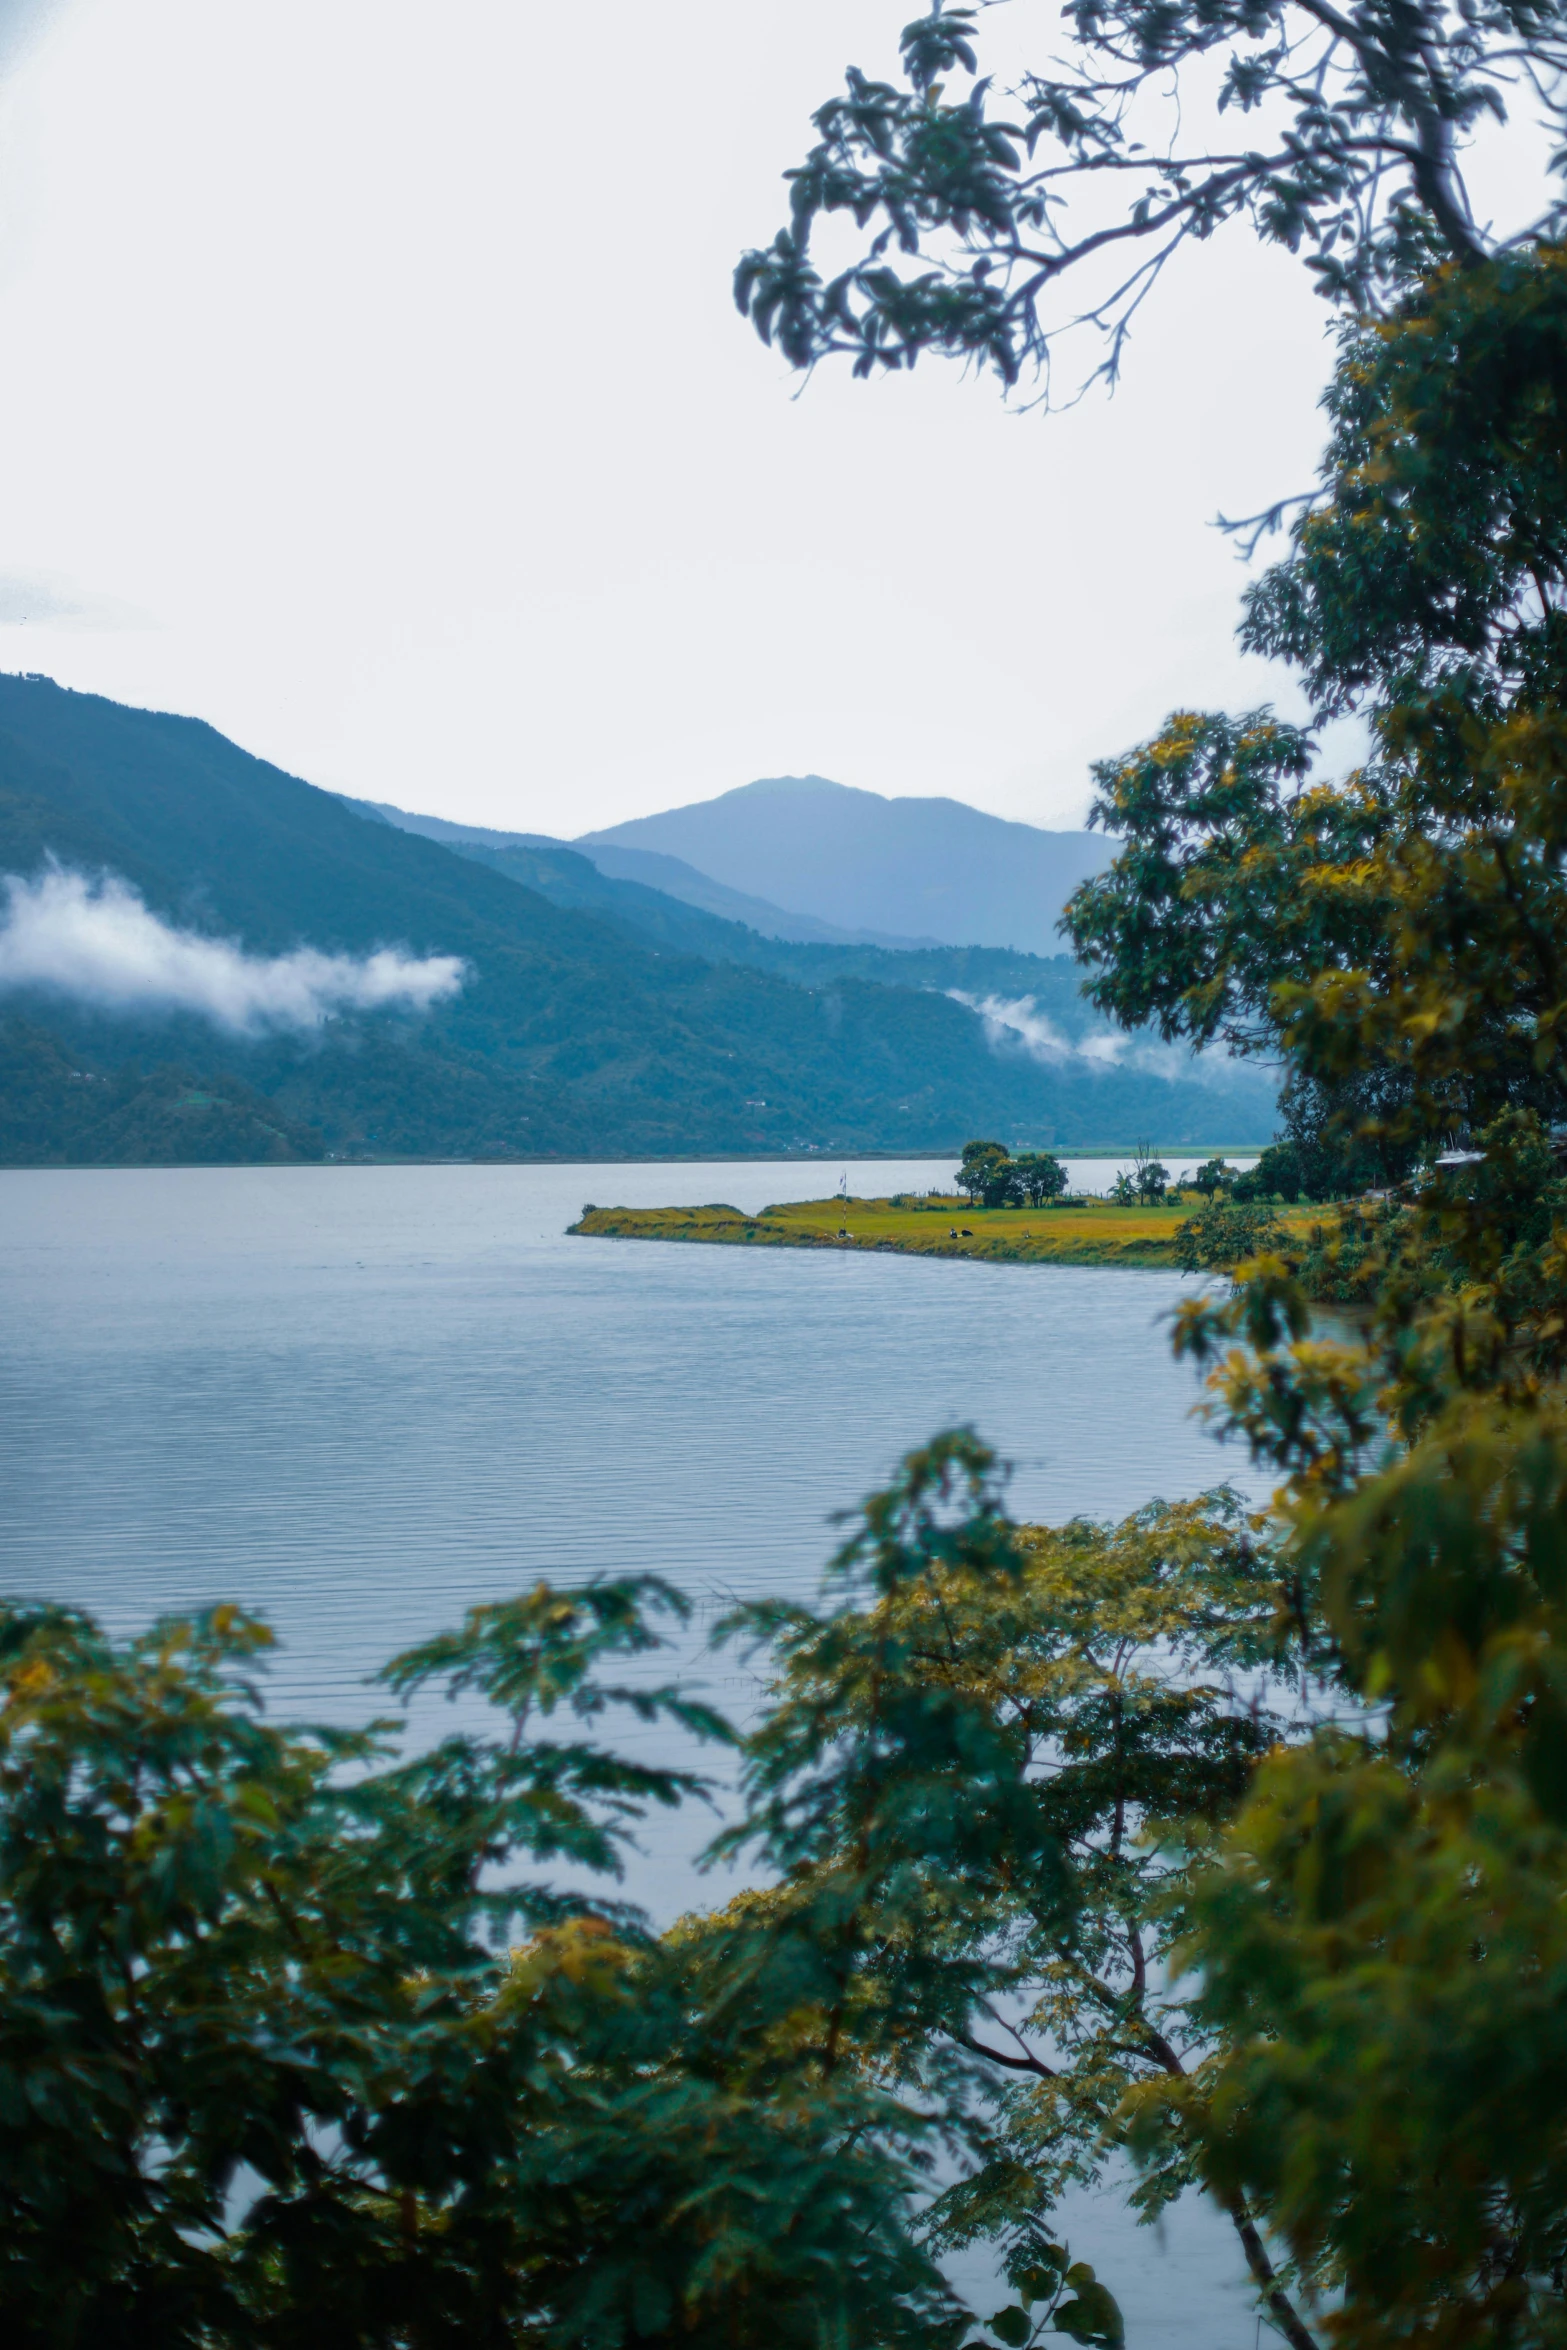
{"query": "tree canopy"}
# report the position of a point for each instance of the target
(970, 1760)
(302, 2042)
(993, 1177)
(1377, 1937)
(1339, 132)
(1393, 938)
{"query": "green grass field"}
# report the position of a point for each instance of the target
(1083, 1232)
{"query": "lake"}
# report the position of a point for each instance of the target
(362, 1399)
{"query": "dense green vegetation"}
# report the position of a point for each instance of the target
(1379, 1934)
(280, 2061)
(125, 1116)
(304, 2055)
(1361, 2061)
(1231, 1843)
(994, 1178)
(575, 1032)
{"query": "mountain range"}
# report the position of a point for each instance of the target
(930, 869)
(207, 958)
(799, 857)
(670, 876)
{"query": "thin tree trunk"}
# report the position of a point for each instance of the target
(1280, 2307)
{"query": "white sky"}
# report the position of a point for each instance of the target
(370, 386)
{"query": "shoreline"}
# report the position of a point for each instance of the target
(1080, 1232)
(1110, 1155)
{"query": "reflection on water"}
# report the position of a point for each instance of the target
(361, 1399)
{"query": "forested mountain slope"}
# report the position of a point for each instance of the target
(572, 1033)
(568, 878)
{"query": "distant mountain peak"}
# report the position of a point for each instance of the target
(913, 867)
(791, 786)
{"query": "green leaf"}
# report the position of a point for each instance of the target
(1092, 2317)
(1040, 2280)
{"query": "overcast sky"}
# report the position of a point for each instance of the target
(370, 386)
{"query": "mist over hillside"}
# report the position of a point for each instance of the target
(203, 957)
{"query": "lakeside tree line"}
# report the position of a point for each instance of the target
(1218, 1848)
(992, 1177)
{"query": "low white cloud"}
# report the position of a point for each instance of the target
(99, 943)
(1013, 1023)
(1016, 1024)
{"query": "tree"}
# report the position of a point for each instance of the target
(975, 208)
(1377, 1934)
(994, 1179)
(1150, 1178)
(1426, 584)
(1227, 1234)
(958, 1787)
(1144, 1182)
(1277, 1175)
(298, 2042)
(1338, 928)
(1041, 1176)
(985, 1164)
(1006, 1188)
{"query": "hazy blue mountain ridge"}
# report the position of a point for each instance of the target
(925, 868)
(569, 876)
(575, 1034)
(670, 876)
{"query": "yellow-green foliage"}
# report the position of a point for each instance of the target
(1082, 1232)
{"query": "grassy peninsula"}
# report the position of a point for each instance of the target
(1079, 1232)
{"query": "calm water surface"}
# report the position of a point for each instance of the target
(362, 1399)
